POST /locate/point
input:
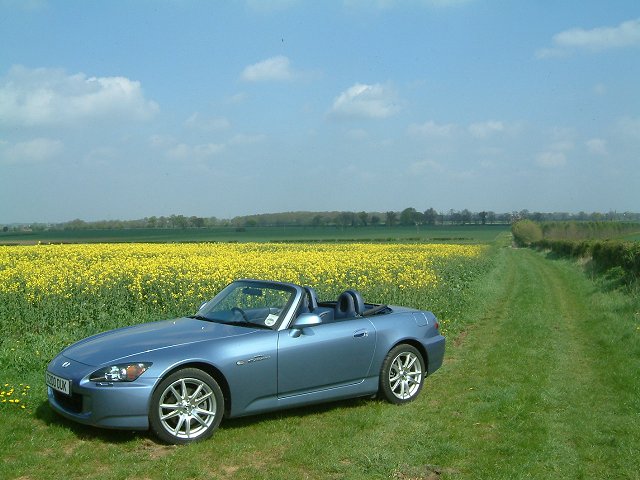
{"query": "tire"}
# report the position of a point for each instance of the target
(402, 374)
(187, 406)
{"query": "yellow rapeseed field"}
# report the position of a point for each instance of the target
(160, 273)
(54, 295)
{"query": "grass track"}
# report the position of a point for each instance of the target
(542, 384)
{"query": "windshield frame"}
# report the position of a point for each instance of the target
(286, 313)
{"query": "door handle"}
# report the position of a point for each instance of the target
(360, 334)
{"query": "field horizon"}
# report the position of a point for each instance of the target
(423, 233)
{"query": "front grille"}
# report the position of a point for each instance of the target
(71, 403)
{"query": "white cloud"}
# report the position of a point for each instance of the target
(182, 151)
(243, 139)
(37, 150)
(365, 101)
(630, 127)
(600, 89)
(485, 129)
(597, 146)
(43, 96)
(210, 124)
(432, 129)
(425, 166)
(237, 98)
(161, 141)
(274, 68)
(562, 146)
(357, 134)
(101, 156)
(627, 34)
(551, 159)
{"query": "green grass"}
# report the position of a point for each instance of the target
(545, 385)
(541, 383)
(432, 234)
(635, 237)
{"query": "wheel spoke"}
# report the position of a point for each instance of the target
(185, 393)
(187, 430)
(411, 360)
(208, 413)
(170, 415)
(198, 401)
(398, 363)
(195, 394)
(175, 393)
(395, 385)
(200, 420)
(176, 431)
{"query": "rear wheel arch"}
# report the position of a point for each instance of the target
(417, 345)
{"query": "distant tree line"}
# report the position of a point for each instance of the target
(341, 219)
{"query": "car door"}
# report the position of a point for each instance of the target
(325, 356)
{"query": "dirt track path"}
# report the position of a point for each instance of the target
(544, 385)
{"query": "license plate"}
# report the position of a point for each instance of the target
(59, 384)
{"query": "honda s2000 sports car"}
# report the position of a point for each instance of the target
(257, 346)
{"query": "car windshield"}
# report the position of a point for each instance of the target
(253, 304)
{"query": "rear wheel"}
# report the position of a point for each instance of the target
(186, 406)
(402, 374)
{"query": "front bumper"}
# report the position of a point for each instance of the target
(121, 405)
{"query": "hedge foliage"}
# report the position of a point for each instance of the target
(605, 254)
(583, 240)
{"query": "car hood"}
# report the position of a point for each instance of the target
(115, 345)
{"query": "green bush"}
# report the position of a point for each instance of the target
(606, 255)
(526, 232)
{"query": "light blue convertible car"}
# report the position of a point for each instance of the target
(256, 346)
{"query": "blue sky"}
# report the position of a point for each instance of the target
(127, 109)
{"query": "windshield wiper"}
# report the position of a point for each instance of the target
(201, 317)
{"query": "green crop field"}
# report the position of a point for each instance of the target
(422, 233)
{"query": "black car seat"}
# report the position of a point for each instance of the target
(345, 306)
(312, 298)
(310, 305)
(358, 301)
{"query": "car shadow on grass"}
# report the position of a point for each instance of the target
(45, 414)
(297, 412)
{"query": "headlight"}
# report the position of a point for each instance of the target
(124, 372)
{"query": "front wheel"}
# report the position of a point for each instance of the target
(186, 406)
(402, 374)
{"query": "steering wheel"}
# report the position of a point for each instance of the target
(242, 312)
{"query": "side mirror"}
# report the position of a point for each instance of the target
(304, 320)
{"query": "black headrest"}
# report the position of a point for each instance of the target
(358, 301)
(345, 307)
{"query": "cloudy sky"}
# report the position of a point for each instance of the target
(127, 109)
